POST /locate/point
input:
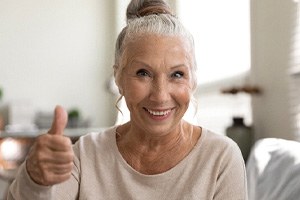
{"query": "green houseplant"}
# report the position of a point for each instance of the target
(73, 118)
(1, 94)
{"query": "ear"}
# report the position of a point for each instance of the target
(117, 79)
(115, 67)
(116, 76)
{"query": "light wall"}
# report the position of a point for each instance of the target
(273, 24)
(59, 52)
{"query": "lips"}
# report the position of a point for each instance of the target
(158, 112)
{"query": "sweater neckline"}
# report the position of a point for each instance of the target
(177, 169)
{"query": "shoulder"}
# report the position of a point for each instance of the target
(212, 139)
(95, 140)
(220, 145)
(226, 162)
(104, 133)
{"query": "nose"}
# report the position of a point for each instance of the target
(160, 91)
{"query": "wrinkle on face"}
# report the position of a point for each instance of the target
(160, 56)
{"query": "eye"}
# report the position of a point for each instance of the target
(177, 74)
(142, 73)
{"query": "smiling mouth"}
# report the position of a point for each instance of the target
(158, 113)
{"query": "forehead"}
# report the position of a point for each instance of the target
(157, 47)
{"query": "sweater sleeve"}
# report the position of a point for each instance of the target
(232, 181)
(23, 187)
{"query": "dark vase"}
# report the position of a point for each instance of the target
(242, 135)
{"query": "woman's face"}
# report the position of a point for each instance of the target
(156, 82)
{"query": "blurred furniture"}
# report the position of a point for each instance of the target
(13, 151)
(14, 147)
(273, 170)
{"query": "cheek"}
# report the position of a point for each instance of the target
(182, 93)
(134, 91)
(185, 97)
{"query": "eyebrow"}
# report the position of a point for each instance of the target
(139, 62)
(173, 67)
(179, 66)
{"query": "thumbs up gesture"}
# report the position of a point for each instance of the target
(50, 159)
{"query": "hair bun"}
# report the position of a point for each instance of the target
(141, 8)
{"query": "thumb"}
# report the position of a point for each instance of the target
(59, 122)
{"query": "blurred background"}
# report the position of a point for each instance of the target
(61, 52)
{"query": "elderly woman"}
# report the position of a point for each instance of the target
(156, 155)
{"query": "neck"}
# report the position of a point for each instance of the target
(154, 154)
(137, 138)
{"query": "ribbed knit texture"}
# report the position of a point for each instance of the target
(214, 169)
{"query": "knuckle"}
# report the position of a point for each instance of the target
(41, 143)
(41, 139)
(68, 175)
(70, 167)
(70, 157)
(67, 142)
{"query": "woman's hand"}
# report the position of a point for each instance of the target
(50, 159)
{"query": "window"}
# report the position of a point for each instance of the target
(221, 31)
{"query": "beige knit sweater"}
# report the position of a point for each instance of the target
(214, 169)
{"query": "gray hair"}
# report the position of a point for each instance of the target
(162, 24)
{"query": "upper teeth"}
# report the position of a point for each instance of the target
(159, 112)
